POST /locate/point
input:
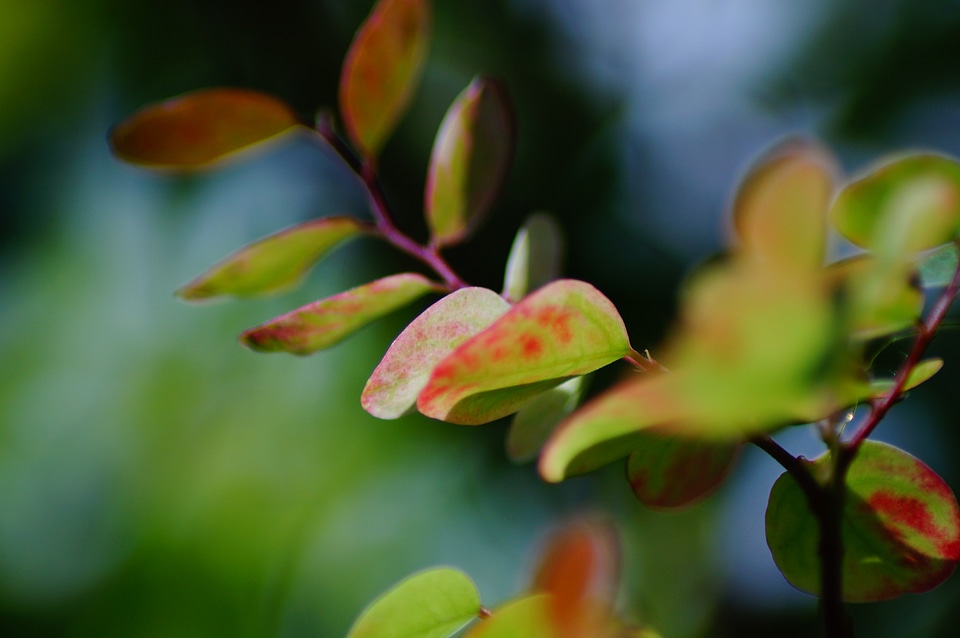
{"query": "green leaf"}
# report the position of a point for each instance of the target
(273, 263)
(533, 424)
(469, 163)
(324, 323)
(670, 472)
(565, 329)
(937, 268)
(199, 128)
(526, 617)
(881, 296)
(902, 206)
(381, 71)
(396, 382)
(435, 603)
(919, 374)
(901, 527)
(534, 258)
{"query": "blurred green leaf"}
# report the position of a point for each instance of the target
(937, 268)
(669, 471)
(324, 323)
(273, 263)
(526, 617)
(534, 258)
(196, 129)
(381, 70)
(432, 604)
(469, 162)
(403, 372)
(565, 329)
(881, 294)
(533, 424)
(901, 527)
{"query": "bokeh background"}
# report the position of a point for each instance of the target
(156, 479)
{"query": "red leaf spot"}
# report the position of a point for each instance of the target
(906, 511)
(557, 320)
(532, 346)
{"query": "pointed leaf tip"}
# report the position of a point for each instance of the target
(199, 128)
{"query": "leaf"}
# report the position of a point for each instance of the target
(937, 268)
(381, 71)
(273, 263)
(919, 374)
(199, 128)
(901, 527)
(527, 617)
(324, 323)
(403, 372)
(901, 206)
(534, 258)
(469, 162)
(880, 295)
(533, 424)
(670, 471)
(431, 604)
(565, 329)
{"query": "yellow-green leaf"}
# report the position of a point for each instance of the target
(533, 424)
(534, 258)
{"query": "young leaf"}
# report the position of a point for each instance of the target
(273, 263)
(920, 373)
(381, 70)
(565, 329)
(435, 603)
(469, 163)
(534, 258)
(196, 129)
(533, 424)
(937, 268)
(901, 527)
(526, 617)
(396, 382)
(324, 323)
(670, 472)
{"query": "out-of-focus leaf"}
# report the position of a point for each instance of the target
(534, 258)
(435, 603)
(533, 424)
(273, 263)
(780, 209)
(196, 129)
(470, 158)
(324, 323)
(565, 329)
(902, 206)
(880, 295)
(901, 527)
(669, 471)
(381, 70)
(396, 382)
(526, 617)
(920, 373)
(937, 268)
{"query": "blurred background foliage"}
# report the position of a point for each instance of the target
(158, 480)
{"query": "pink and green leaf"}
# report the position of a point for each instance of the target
(381, 71)
(273, 263)
(199, 128)
(901, 527)
(324, 323)
(403, 372)
(436, 603)
(469, 163)
(536, 421)
(534, 258)
(565, 329)
(669, 471)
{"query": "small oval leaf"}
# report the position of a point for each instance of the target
(670, 472)
(273, 263)
(403, 372)
(196, 129)
(565, 329)
(533, 424)
(435, 603)
(469, 162)
(901, 528)
(937, 268)
(534, 258)
(381, 70)
(919, 374)
(324, 323)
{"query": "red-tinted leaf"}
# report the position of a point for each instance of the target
(565, 329)
(198, 128)
(470, 158)
(274, 263)
(669, 471)
(324, 323)
(381, 70)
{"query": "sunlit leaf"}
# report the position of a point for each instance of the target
(534, 258)
(881, 296)
(470, 158)
(902, 206)
(780, 209)
(432, 604)
(669, 471)
(324, 323)
(396, 382)
(274, 263)
(527, 617)
(381, 70)
(565, 329)
(534, 423)
(937, 268)
(920, 373)
(198, 128)
(901, 527)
